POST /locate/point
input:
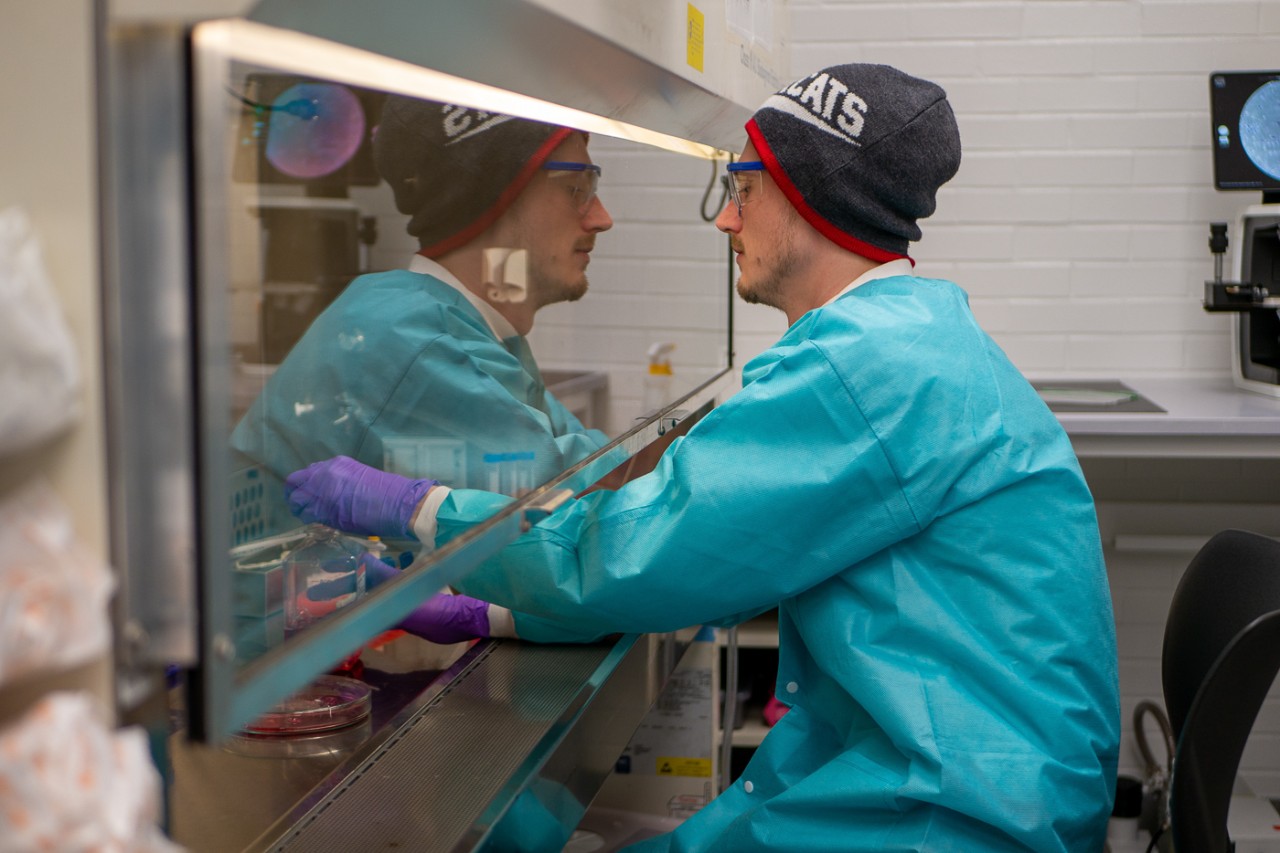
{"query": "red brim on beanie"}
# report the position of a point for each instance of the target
(824, 227)
(509, 195)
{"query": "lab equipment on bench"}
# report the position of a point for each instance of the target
(509, 474)
(1245, 108)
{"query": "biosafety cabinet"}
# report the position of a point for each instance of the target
(240, 199)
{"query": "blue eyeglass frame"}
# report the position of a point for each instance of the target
(741, 166)
(571, 166)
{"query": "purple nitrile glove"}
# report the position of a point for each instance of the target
(441, 618)
(354, 497)
(448, 619)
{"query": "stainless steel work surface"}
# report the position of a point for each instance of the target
(1203, 417)
(1100, 396)
(516, 730)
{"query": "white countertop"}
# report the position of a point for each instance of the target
(1207, 417)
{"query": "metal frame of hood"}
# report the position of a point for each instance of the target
(151, 258)
(575, 67)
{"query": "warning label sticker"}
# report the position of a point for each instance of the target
(673, 765)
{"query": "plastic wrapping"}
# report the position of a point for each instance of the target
(39, 374)
(68, 783)
(53, 590)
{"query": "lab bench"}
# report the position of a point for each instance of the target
(448, 760)
(1204, 417)
(1209, 459)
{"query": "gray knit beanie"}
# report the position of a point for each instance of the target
(455, 170)
(860, 151)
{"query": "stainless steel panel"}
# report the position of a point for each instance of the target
(225, 796)
(530, 732)
(512, 729)
(521, 47)
(148, 365)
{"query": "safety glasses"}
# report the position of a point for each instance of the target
(580, 179)
(746, 181)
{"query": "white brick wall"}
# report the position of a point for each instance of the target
(1078, 221)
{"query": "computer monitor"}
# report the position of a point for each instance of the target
(313, 133)
(1245, 108)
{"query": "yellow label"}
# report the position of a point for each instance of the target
(675, 765)
(695, 42)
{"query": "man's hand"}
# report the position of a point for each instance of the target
(442, 618)
(354, 497)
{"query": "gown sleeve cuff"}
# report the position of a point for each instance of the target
(424, 524)
(501, 622)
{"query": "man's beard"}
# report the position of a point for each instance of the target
(555, 288)
(549, 289)
(770, 285)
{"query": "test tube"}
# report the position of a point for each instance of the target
(509, 474)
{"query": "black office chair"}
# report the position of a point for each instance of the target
(1221, 654)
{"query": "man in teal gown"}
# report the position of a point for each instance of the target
(889, 481)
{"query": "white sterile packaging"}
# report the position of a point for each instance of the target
(68, 783)
(39, 373)
(54, 592)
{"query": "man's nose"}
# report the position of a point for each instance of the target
(597, 218)
(729, 221)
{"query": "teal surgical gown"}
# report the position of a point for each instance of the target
(403, 373)
(889, 481)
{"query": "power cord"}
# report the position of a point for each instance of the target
(724, 193)
(1156, 774)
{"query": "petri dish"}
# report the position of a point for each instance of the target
(330, 702)
(332, 745)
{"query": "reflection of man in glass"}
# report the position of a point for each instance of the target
(427, 369)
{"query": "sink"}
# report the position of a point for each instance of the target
(1092, 395)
